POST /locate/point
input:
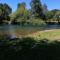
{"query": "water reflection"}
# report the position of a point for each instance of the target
(10, 30)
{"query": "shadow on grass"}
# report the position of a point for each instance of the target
(29, 49)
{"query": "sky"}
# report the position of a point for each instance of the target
(51, 4)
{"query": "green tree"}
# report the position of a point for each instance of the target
(21, 14)
(26, 14)
(57, 16)
(51, 14)
(45, 9)
(37, 10)
(18, 14)
(5, 10)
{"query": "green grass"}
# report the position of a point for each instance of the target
(53, 34)
(35, 32)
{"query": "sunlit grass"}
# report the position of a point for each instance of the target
(35, 32)
(53, 34)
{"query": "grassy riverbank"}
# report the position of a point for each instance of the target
(53, 34)
(35, 32)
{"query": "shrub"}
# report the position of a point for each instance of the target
(38, 22)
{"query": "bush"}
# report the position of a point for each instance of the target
(37, 22)
(31, 22)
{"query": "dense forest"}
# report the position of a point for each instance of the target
(38, 14)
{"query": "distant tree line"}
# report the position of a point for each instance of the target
(24, 16)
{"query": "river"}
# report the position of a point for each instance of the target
(11, 30)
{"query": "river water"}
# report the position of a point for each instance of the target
(11, 29)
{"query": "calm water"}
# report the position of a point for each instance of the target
(11, 29)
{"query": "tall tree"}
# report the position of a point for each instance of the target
(36, 7)
(45, 9)
(5, 10)
(20, 14)
(20, 10)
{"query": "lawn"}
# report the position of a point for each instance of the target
(53, 34)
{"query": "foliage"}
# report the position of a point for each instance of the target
(37, 22)
(45, 9)
(5, 10)
(20, 14)
(51, 14)
(36, 8)
(57, 16)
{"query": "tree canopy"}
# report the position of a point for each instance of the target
(5, 10)
(37, 9)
